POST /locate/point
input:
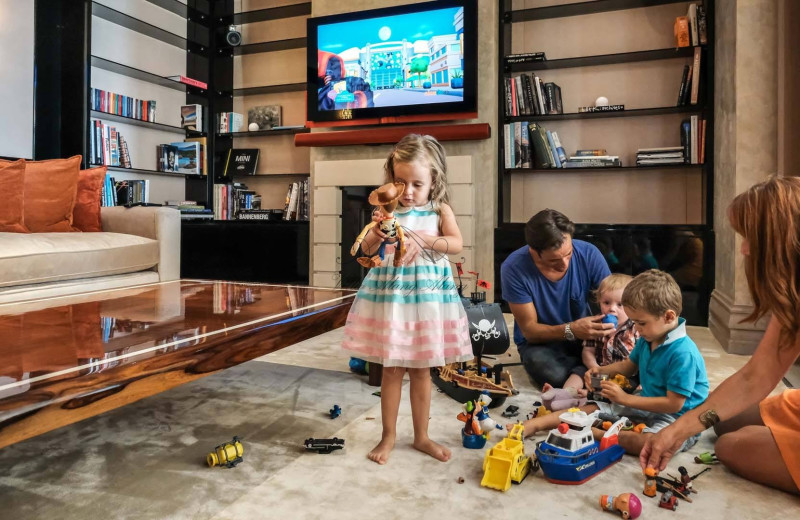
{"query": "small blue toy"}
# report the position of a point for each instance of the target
(610, 318)
(359, 366)
(335, 412)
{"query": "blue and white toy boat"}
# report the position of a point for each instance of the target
(570, 455)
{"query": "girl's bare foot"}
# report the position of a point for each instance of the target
(435, 450)
(380, 453)
(546, 387)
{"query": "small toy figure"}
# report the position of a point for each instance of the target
(626, 504)
(686, 480)
(668, 501)
(706, 458)
(385, 198)
(596, 380)
(228, 454)
(324, 445)
(478, 424)
(650, 482)
(556, 399)
(335, 412)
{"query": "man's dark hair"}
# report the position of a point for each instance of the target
(547, 230)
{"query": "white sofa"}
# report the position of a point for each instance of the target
(138, 245)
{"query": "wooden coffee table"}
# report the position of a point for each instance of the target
(68, 358)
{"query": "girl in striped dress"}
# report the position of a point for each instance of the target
(410, 318)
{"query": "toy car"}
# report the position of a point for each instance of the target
(668, 501)
(511, 411)
(324, 445)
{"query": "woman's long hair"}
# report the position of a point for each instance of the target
(768, 216)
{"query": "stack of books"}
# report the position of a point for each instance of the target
(660, 156)
(598, 158)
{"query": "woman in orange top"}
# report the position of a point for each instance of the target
(759, 437)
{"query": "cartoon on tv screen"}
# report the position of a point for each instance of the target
(408, 59)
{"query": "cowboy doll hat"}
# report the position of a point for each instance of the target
(387, 194)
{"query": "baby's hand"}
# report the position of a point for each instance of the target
(587, 377)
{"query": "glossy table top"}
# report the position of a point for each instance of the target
(62, 339)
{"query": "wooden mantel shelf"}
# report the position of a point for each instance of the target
(391, 135)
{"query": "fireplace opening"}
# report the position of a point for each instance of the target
(356, 213)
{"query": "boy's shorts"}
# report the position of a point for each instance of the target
(654, 421)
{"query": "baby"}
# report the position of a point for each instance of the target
(614, 347)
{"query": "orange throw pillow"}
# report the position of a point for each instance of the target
(50, 188)
(86, 215)
(12, 187)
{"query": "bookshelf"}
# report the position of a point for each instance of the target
(124, 38)
(268, 68)
(618, 43)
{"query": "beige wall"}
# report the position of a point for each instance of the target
(482, 188)
(746, 148)
(788, 87)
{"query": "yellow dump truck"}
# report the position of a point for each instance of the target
(506, 461)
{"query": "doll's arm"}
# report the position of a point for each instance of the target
(360, 237)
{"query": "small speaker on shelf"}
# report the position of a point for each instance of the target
(233, 37)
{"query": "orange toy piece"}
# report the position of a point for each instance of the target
(650, 482)
(385, 198)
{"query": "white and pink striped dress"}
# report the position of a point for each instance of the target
(409, 316)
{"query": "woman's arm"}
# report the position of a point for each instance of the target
(752, 383)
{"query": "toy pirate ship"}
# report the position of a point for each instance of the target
(489, 337)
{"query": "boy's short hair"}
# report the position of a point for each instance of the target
(654, 292)
(612, 282)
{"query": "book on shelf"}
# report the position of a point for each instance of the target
(685, 78)
(589, 158)
(594, 152)
(553, 149)
(593, 163)
(702, 25)
(261, 214)
(107, 146)
(120, 105)
(189, 81)
(287, 127)
(562, 155)
(241, 161)
(691, 15)
(180, 157)
(696, 76)
(605, 108)
(192, 117)
(203, 150)
(525, 57)
(132, 192)
(296, 206)
(681, 30)
(229, 122)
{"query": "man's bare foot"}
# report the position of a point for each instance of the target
(435, 450)
(380, 453)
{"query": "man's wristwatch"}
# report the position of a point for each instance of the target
(709, 418)
(568, 335)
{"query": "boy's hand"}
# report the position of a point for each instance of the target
(613, 392)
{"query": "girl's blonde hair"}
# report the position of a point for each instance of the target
(612, 282)
(426, 149)
(768, 216)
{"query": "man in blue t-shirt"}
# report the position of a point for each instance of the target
(547, 284)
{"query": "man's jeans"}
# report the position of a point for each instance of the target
(552, 362)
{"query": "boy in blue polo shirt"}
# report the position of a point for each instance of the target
(671, 370)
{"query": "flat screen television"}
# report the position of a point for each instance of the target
(410, 62)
